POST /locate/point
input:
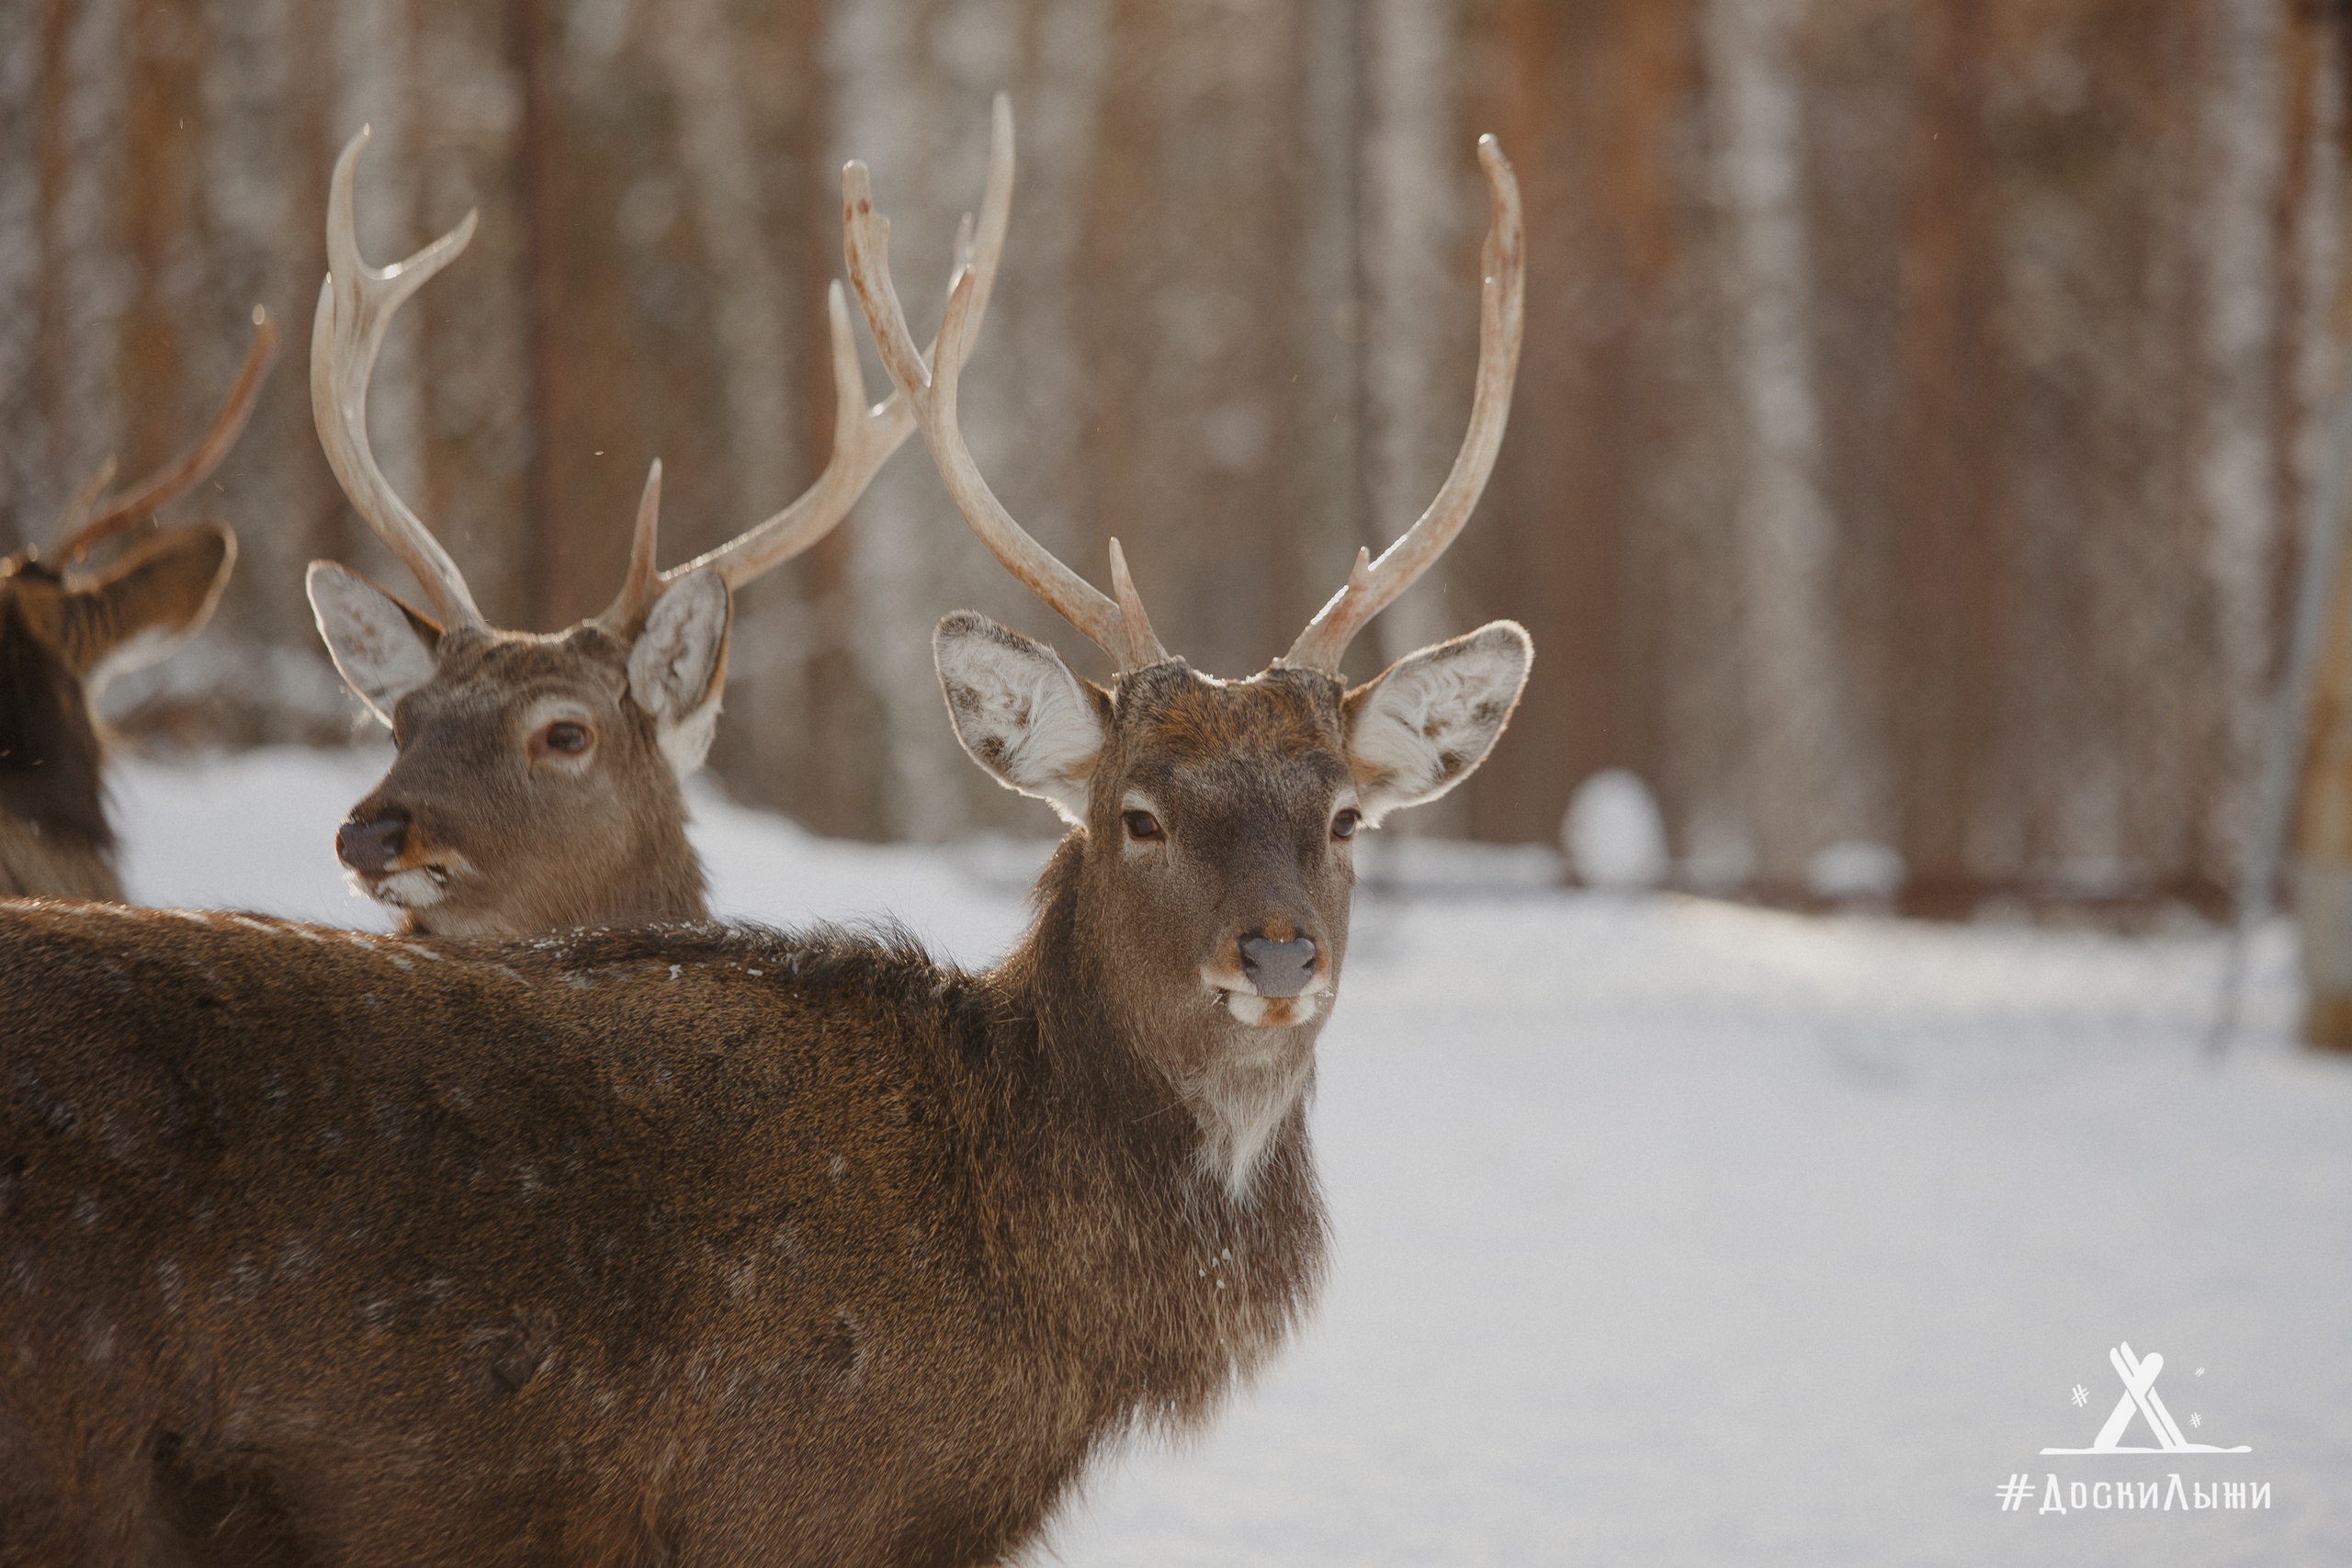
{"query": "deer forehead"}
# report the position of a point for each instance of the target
(1173, 718)
(520, 668)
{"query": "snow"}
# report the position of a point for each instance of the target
(1671, 1232)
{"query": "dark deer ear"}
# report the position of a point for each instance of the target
(1019, 711)
(678, 666)
(145, 605)
(1424, 723)
(382, 648)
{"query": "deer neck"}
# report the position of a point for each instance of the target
(1221, 1102)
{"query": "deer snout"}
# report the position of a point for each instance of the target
(1278, 968)
(370, 847)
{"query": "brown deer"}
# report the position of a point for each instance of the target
(536, 786)
(66, 630)
(698, 1245)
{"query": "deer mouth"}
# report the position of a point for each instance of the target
(419, 886)
(1240, 1001)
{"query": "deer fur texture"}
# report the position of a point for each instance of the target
(62, 638)
(683, 1245)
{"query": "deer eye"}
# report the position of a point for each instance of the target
(1143, 827)
(563, 738)
(1344, 825)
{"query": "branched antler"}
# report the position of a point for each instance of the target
(1372, 585)
(356, 304)
(88, 521)
(865, 437)
(1120, 628)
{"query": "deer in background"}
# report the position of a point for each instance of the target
(537, 785)
(64, 632)
(711, 1247)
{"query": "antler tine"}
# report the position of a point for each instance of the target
(81, 530)
(864, 437)
(356, 304)
(866, 238)
(641, 587)
(1502, 299)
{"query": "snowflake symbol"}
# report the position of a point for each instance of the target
(2082, 1395)
(2195, 1420)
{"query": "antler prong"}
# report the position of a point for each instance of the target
(643, 585)
(86, 522)
(1502, 296)
(1143, 646)
(356, 304)
(864, 438)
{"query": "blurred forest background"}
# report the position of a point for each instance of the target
(1920, 406)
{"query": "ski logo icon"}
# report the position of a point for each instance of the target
(2140, 1397)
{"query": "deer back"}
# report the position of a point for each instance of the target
(689, 1241)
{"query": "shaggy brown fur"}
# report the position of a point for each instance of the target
(677, 1245)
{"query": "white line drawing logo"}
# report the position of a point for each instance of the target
(2139, 1375)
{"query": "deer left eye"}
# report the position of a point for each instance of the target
(1143, 827)
(565, 739)
(1344, 825)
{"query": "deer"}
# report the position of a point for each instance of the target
(538, 781)
(708, 1245)
(66, 630)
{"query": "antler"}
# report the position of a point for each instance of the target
(865, 437)
(1372, 585)
(80, 530)
(356, 304)
(1119, 628)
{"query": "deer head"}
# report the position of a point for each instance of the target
(538, 781)
(1205, 884)
(66, 629)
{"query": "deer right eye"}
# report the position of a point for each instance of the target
(1143, 827)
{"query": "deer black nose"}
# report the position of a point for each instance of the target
(1278, 968)
(370, 847)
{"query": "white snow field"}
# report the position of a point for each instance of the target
(1676, 1233)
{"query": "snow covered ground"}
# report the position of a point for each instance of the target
(1675, 1233)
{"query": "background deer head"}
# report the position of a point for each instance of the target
(66, 630)
(538, 781)
(1202, 901)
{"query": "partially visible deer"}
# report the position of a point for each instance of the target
(538, 782)
(698, 1245)
(66, 629)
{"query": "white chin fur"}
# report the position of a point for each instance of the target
(1272, 1012)
(415, 889)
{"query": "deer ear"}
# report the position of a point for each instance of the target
(382, 648)
(677, 667)
(1425, 723)
(148, 605)
(1019, 711)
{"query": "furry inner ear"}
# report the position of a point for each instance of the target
(677, 667)
(1019, 712)
(1425, 723)
(148, 605)
(382, 648)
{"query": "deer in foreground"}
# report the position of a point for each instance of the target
(65, 630)
(538, 784)
(704, 1245)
